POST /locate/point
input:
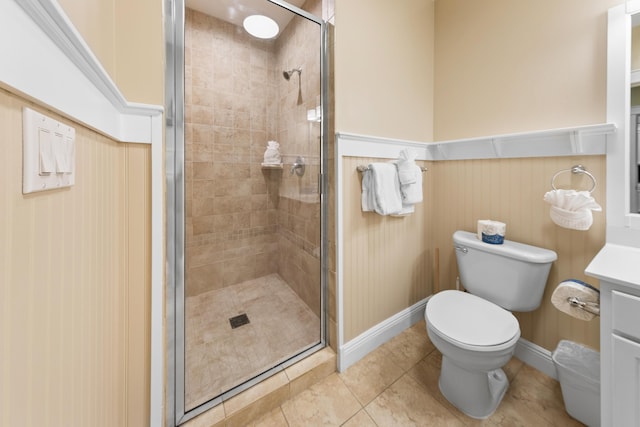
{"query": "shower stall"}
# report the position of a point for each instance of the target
(246, 225)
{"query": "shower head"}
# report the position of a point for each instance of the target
(287, 74)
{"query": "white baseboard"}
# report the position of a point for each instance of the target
(363, 344)
(354, 350)
(536, 357)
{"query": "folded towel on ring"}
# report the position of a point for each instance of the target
(571, 208)
(575, 220)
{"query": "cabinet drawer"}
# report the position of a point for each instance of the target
(626, 314)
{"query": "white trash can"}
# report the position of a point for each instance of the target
(578, 369)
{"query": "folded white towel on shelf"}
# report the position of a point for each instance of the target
(571, 208)
(381, 189)
(272, 153)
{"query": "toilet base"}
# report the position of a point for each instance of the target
(475, 394)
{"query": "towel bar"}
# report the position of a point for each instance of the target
(362, 168)
(575, 169)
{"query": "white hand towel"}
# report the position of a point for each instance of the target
(367, 202)
(381, 189)
(571, 208)
(412, 193)
(406, 211)
(406, 171)
(410, 177)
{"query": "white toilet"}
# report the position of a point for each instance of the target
(475, 331)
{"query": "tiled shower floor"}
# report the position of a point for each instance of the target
(219, 358)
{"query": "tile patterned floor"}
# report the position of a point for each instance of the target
(397, 385)
(219, 357)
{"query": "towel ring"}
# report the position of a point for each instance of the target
(575, 169)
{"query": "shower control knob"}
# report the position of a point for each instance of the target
(298, 166)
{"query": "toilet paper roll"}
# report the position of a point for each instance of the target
(578, 291)
(492, 230)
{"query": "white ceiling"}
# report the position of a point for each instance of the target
(234, 11)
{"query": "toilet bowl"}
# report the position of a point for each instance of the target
(476, 339)
(475, 330)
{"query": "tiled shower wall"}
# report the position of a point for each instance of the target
(298, 47)
(299, 206)
(243, 221)
(229, 114)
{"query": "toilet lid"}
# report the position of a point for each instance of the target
(470, 319)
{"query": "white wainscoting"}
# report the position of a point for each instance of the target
(581, 140)
(46, 60)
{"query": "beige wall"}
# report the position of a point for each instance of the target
(508, 66)
(95, 21)
(500, 67)
(127, 38)
(75, 286)
(75, 263)
(635, 48)
(383, 58)
(384, 68)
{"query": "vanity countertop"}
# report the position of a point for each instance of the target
(617, 264)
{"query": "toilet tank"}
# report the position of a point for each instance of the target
(512, 275)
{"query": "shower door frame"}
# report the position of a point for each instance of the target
(634, 156)
(176, 412)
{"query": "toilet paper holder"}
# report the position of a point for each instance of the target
(589, 307)
(577, 299)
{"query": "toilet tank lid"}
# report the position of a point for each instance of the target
(509, 248)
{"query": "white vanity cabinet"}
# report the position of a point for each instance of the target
(622, 308)
(617, 268)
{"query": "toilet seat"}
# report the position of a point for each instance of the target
(470, 320)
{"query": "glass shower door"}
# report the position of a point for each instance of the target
(250, 296)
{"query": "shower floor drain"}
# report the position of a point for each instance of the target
(238, 320)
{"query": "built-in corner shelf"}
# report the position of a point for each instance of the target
(271, 165)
